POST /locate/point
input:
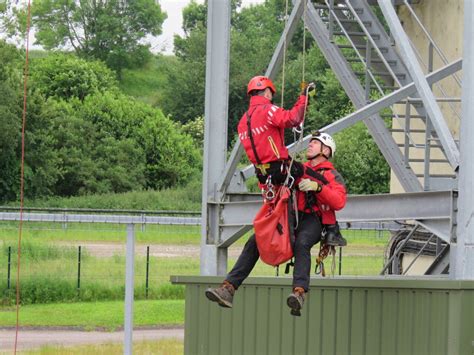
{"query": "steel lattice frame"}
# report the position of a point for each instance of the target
(227, 213)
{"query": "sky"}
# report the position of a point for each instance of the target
(172, 24)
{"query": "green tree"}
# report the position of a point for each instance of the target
(90, 160)
(10, 120)
(64, 76)
(360, 162)
(107, 30)
(171, 157)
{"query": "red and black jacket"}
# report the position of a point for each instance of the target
(331, 198)
(267, 122)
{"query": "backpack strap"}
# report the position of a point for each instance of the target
(317, 175)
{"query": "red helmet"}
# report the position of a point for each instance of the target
(260, 83)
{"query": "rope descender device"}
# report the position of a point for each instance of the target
(268, 192)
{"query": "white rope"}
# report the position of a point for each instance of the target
(284, 58)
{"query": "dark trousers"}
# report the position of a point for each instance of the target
(307, 234)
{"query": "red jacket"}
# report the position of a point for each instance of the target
(268, 122)
(331, 198)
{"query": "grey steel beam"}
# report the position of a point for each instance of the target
(462, 249)
(354, 90)
(429, 207)
(272, 69)
(91, 218)
(213, 259)
(231, 234)
(371, 109)
(441, 263)
(442, 227)
(427, 96)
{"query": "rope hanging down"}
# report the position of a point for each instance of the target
(284, 58)
(22, 173)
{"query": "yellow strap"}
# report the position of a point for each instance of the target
(263, 167)
(274, 147)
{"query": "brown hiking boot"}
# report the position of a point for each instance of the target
(223, 295)
(296, 300)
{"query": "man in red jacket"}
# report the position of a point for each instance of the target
(261, 131)
(318, 198)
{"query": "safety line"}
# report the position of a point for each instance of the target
(284, 58)
(22, 173)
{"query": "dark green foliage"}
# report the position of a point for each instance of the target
(82, 135)
(65, 76)
(360, 162)
(10, 119)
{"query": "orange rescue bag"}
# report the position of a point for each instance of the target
(274, 229)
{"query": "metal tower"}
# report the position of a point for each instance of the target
(349, 35)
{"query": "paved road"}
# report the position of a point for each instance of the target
(30, 339)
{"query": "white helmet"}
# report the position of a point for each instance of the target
(326, 139)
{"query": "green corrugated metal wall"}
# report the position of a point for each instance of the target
(341, 316)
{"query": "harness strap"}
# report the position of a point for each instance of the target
(252, 143)
(317, 175)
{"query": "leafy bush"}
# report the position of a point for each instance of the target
(360, 162)
(65, 76)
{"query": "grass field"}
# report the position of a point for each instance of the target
(49, 270)
(147, 83)
(95, 315)
(162, 347)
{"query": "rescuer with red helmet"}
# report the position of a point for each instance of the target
(261, 130)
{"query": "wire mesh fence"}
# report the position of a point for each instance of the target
(86, 261)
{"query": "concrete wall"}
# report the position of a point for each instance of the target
(444, 21)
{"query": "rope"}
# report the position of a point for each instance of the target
(22, 174)
(284, 58)
(304, 41)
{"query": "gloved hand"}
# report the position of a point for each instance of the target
(309, 89)
(309, 185)
(297, 169)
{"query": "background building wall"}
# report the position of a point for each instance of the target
(443, 19)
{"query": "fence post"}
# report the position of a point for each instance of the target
(79, 271)
(9, 266)
(147, 270)
(340, 260)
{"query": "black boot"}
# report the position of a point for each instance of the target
(333, 236)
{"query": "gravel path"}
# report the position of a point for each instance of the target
(157, 250)
(173, 251)
(30, 339)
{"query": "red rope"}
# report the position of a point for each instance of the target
(22, 174)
